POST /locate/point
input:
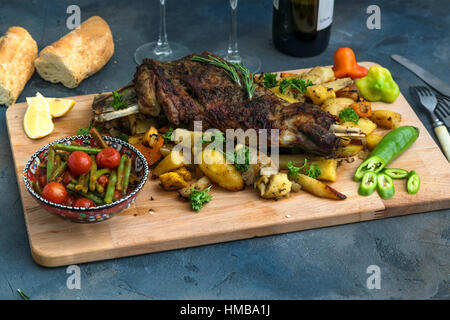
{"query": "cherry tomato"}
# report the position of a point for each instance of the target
(67, 178)
(54, 192)
(108, 158)
(79, 162)
(117, 195)
(84, 202)
(103, 181)
(70, 200)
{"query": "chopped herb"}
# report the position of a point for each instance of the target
(296, 83)
(217, 136)
(23, 295)
(312, 171)
(83, 131)
(123, 137)
(198, 198)
(240, 158)
(118, 102)
(349, 114)
(270, 80)
(168, 135)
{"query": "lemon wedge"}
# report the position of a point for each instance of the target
(59, 107)
(38, 120)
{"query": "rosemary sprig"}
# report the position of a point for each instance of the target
(229, 70)
(247, 76)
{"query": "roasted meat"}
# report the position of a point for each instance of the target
(186, 91)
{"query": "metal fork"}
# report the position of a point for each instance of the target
(429, 101)
(443, 109)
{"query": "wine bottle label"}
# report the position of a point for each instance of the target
(325, 15)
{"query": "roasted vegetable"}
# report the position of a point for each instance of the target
(349, 150)
(336, 105)
(319, 75)
(171, 181)
(213, 165)
(390, 147)
(152, 155)
(373, 140)
(328, 167)
(362, 108)
(386, 118)
(183, 172)
(318, 94)
(348, 93)
(345, 64)
(338, 84)
(171, 162)
(378, 85)
(151, 137)
(200, 185)
(318, 188)
(364, 124)
(274, 187)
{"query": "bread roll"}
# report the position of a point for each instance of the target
(77, 55)
(18, 51)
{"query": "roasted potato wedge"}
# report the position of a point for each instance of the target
(183, 172)
(318, 188)
(386, 118)
(200, 184)
(364, 124)
(274, 187)
(328, 167)
(349, 150)
(318, 94)
(348, 93)
(373, 140)
(213, 165)
(289, 95)
(336, 105)
(172, 161)
(171, 181)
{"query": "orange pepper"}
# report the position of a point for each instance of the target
(345, 65)
(362, 108)
(152, 155)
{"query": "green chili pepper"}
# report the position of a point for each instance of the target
(368, 184)
(413, 183)
(396, 173)
(390, 147)
(378, 85)
(385, 186)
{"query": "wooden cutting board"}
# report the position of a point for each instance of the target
(159, 221)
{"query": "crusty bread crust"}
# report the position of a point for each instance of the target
(18, 50)
(77, 55)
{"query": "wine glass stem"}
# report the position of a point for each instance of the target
(162, 45)
(233, 51)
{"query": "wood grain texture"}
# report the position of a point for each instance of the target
(167, 222)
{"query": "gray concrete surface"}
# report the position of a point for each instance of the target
(412, 251)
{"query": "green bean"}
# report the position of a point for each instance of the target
(97, 200)
(36, 187)
(126, 179)
(111, 187)
(93, 170)
(99, 188)
(80, 184)
(59, 171)
(85, 188)
(50, 163)
(121, 172)
(73, 148)
(101, 172)
(98, 138)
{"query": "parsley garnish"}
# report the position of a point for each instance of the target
(198, 198)
(168, 135)
(240, 158)
(270, 80)
(296, 83)
(349, 114)
(217, 136)
(312, 171)
(118, 102)
(123, 137)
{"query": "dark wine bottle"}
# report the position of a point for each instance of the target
(302, 28)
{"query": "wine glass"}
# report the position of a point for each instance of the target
(161, 50)
(251, 62)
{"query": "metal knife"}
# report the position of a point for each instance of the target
(433, 81)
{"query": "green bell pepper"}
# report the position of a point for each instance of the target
(378, 85)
